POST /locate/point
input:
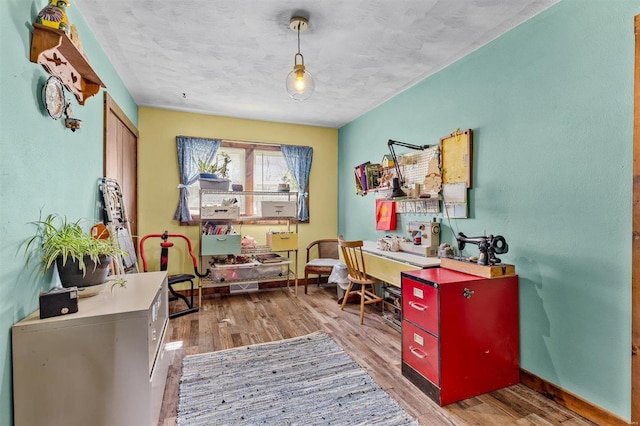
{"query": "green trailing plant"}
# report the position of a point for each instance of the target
(57, 237)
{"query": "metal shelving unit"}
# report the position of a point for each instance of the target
(229, 208)
(392, 306)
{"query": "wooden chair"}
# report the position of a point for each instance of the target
(352, 254)
(322, 256)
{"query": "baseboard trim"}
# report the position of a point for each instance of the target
(567, 399)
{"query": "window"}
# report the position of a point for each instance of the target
(257, 167)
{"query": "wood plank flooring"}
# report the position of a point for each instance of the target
(269, 315)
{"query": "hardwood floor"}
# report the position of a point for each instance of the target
(238, 320)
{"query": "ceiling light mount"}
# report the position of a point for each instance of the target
(300, 82)
(299, 22)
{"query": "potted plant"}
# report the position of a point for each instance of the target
(207, 169)
(82, 259)
(214, 175)
(285, 185)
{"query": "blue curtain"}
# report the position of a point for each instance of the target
(298, 159)
(190, 150)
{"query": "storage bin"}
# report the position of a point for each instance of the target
(220, 212)
(249, 271)
(218, 245)
(215, 184)
(282, 241)
(273, 270)
(234, 272)
(278, 208)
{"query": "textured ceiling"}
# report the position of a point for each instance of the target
(230, 58)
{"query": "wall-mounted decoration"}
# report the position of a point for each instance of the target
(59, 55)
(456, 157)
(385, 215)
(70, 122)
(456, 160)
(432, 183)
(54, 15)
(455, 202)
(53, 97)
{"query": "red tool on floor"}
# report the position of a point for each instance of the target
(178, 278)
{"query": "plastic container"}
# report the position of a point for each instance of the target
(215, 184)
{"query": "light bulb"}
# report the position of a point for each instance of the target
(300, 83)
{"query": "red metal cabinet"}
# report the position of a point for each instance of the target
(460, 333)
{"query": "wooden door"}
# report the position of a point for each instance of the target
(121, 156)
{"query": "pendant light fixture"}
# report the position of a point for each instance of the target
(300, 82)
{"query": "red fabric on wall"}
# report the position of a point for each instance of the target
(385, 215)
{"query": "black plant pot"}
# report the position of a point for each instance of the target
(71, 274)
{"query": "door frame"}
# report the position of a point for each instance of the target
(110, 106)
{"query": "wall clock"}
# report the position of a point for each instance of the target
(53, 97)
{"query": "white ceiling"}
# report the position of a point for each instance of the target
(230, 58)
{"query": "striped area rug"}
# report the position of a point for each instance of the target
(306, 380)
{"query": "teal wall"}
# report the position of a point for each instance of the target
(43, 166)
(551, 107)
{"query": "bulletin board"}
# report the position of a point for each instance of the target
(456, 157)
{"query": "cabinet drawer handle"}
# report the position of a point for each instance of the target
(418, 306)
(417, 352)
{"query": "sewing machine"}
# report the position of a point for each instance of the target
(488, 245)
(429, 235)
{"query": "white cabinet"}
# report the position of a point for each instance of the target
(242, 268)
(104, 365)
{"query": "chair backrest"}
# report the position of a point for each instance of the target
(164, 256)
(326, 249)
(353, 258)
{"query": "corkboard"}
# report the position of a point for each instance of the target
(456, 157)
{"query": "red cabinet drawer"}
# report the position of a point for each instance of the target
(420, 304)
(420, 351)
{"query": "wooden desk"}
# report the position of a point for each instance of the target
(387, 265)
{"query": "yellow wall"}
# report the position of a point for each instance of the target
(158, 176)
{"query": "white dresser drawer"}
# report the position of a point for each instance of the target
(157, 317)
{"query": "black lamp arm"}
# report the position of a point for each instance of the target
(391, 143)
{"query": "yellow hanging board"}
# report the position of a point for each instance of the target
(456, 157)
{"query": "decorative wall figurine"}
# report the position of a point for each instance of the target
(70, 122)
(54, 15)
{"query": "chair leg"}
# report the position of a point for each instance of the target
(362, 294)
(346, 295)
(306, 280)
(190, 308)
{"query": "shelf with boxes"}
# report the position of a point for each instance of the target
(392, 306)
(241, 263)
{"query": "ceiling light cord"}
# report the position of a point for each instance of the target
(295, 58)
(300, 83)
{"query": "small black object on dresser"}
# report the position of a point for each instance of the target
(58, 301)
